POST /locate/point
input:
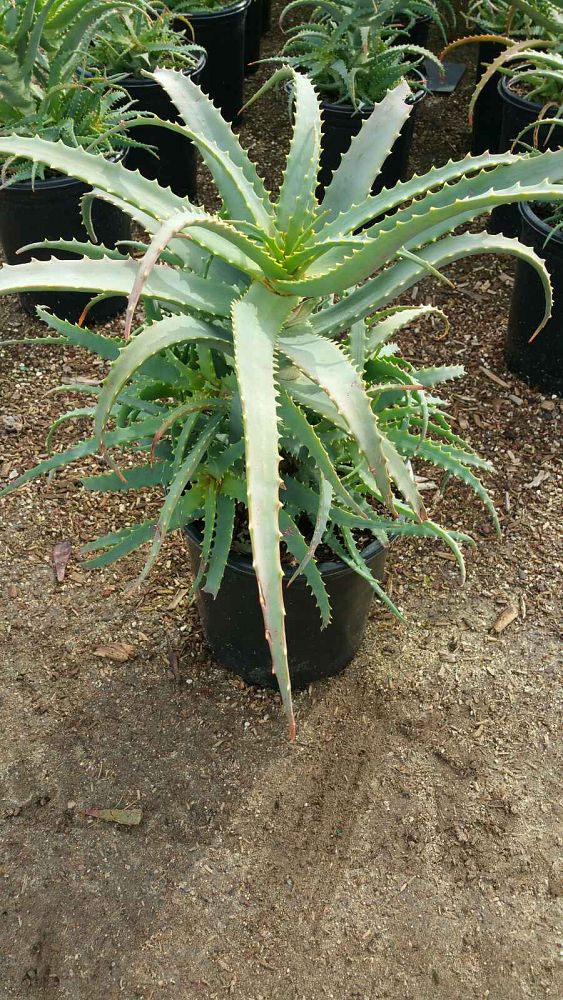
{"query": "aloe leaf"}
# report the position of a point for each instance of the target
(191, 406)
(381, 332)
(80, 412)
(98, 171)
(444, 456)
(326, 364)
(321, 523)
(429, 377)
(120, 543)
(139, 477)
(165, 333)
(395, 280)
(360, 165)
(298, 425)
(135, 537)
(177, 487)
(358, 344)
(242, 190)
(224, 524)
(107, 347)
(405, 191)
(353, 559)
(135, 432)
(257, 320)
(296, 202)
(299, 549)
(219, 465)
(534, 178)
(95, 251)
(117, 277)
(209, 518)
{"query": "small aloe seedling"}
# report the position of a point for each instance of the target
(262, 374)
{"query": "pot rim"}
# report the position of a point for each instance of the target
(144, 83)
(243, 563)
(538, 225)
(210, 15)
(349, 111)
(508, 95)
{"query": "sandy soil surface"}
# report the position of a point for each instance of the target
(406, 846)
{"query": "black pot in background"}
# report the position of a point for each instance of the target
(517, 113)
(222, 34)
(541, 362)
(418, 34)
(50, 210)
(234, 626)
(341, 123)
(487, 114)
(253, 35)
(175, 165)
(266, 16)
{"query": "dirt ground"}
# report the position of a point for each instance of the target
(406, 846)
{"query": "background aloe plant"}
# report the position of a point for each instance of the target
(141, 39)
(525, 18)
(248, 382)
(42, 46)
(355, 51)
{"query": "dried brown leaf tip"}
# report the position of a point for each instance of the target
(118, 651)
(61, 555)
(125, 817)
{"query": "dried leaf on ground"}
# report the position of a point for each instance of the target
(505, 619)
(61, 555)
(125, 817)
(119, 651)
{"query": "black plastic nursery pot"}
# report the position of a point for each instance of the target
(341, 122)
(253, 35)
(517, 113)
(266, 16)
(419, 32)
(175, 162)
(222, 34)
(234, 626)
(50, 210)
(541, 362)
(487, 114)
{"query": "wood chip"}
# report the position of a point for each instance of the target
(177, 599)
(505, 619)
(125, 817)
(494, 378)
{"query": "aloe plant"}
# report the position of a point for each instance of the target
(354, 51)
(134, 41)
(42, 48)
(262, 374)
(521, 19)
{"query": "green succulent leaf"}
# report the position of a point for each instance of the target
(257, 321)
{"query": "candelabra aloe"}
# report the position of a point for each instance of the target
(248, 381)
